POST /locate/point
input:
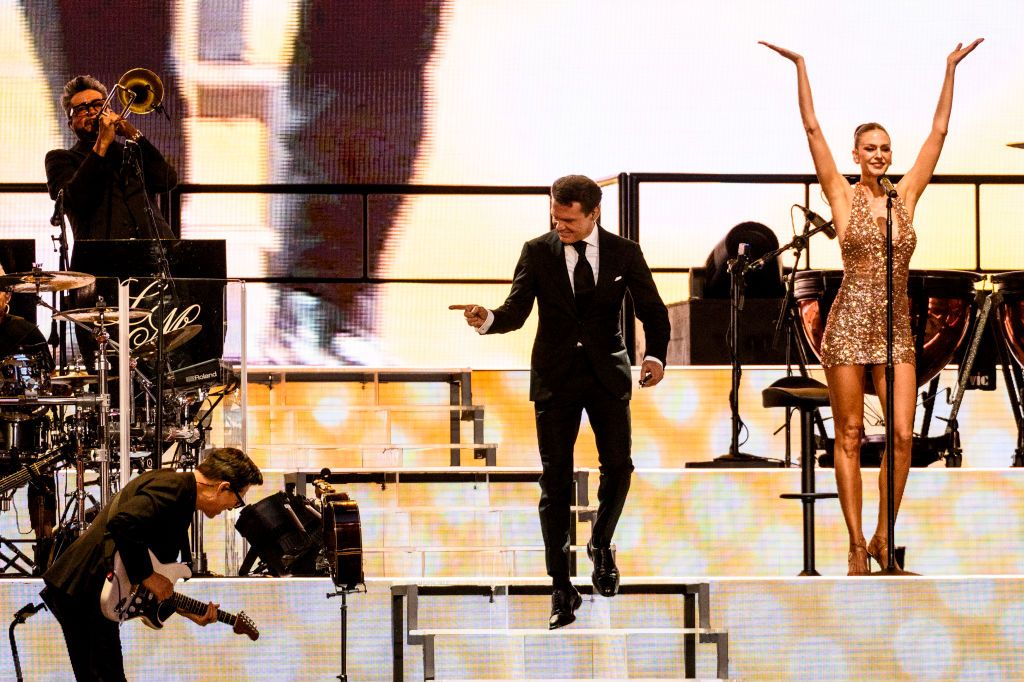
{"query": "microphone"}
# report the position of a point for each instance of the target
(27, 610)
(887, 186)
(127, 156)
(58, 209)
(814, 219)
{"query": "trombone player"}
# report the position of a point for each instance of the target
(102, 195)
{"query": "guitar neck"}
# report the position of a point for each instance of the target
(26, 474)
(198, 608)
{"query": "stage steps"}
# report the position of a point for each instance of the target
(494, 617)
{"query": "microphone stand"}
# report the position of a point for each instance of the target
(890, 380)
(164, 283)
(788, 318)
(738, 269)
(62, 249)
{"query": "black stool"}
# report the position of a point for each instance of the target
(806, 395)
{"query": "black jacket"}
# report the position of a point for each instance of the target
(103, 200)
(541, 274)
(153, 512)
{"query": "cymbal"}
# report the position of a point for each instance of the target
(100, 316)
(172, 340)
(76, 378)
(40, 280)
(1015, 145)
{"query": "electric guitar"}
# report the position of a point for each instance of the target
(37, 468)
(121, 601)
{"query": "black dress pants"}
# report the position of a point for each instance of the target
(94, 643)
(558, 425)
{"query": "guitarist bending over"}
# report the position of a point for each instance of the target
(152, 513)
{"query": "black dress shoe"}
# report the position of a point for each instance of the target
(606, 574)
(563, 605)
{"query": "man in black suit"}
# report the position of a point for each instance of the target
(579, 362)
(152, 513)
(103, 196)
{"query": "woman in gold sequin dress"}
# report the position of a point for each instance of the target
(855, 335)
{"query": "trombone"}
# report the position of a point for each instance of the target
(139, 90)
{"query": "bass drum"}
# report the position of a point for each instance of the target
(942, 307)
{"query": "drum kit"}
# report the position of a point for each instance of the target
(950, 319)
(51, 417)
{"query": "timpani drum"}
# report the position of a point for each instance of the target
(942, 306)
(1010, 285)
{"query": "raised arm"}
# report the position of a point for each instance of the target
(835, 186)
(914, 182)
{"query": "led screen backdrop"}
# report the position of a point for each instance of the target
(502, 93)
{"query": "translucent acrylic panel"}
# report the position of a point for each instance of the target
(680, 223)
(1002, 218)
(943, 221)
(453, 236)
(281, 235)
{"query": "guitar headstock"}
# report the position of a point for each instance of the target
(245, 626)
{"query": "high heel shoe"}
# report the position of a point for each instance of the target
(857, 560)
(878, 549)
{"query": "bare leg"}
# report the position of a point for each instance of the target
(904, 404)
(846, 393)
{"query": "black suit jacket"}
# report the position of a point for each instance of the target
(541, 274)
(104, 201)
(153, 511)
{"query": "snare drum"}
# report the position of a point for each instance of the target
(941, 310)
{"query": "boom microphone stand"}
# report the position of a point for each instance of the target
(738, 269)
(133, 159)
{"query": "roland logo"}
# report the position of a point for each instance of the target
(192, 378)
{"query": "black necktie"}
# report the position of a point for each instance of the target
(582, 276)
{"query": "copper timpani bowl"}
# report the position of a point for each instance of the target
(1011, 310)
(941, 310)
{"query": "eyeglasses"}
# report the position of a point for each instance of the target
(239, 503)
(84, 107)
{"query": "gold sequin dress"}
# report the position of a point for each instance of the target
(855, 330)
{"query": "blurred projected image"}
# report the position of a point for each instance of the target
(306, 92)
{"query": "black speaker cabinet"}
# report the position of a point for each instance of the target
(700, 332)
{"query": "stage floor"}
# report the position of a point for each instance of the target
(924, 628)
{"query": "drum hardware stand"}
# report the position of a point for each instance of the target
(1012, 376)
(949, 442)
(103, 452)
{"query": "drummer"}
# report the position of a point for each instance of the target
(21, 336)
